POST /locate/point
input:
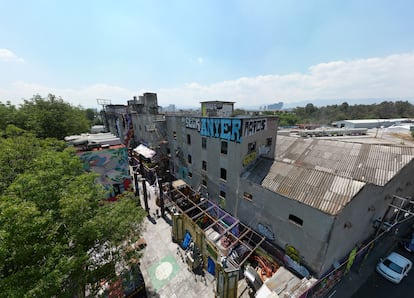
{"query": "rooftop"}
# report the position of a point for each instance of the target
(338, 169)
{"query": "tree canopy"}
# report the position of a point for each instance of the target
(57, 234)
(325, 115)
(49, 117)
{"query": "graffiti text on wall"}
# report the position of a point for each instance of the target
(193, 123)
(249, 158)
(253, 126)
(265, 231)
(223, 128)
(226, 128)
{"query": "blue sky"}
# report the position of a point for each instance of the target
(250, 52)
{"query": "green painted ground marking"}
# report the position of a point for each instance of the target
(163, 271)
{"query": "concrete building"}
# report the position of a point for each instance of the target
(369, 123)
(323, 197)
(217, 108)
(211, 153)
(316, 199)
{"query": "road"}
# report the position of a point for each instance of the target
(377, 286)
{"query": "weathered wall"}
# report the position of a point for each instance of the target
(268, 213)
(235, 161)
(356, 222)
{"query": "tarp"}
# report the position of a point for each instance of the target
(144, 151)
(178, 184)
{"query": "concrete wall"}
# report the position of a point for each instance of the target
(269, 212)
(369, 205)
(235, 161)
(149, 129)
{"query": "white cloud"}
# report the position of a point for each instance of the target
(382, 78)
(385, 77)
(86, 97)
(9, 56)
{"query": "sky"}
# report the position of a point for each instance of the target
(254, 53)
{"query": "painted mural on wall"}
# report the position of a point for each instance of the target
(265, 231)
(229, 129)
(112, 167)
(249, 158)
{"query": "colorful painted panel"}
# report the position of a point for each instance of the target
(110, 164)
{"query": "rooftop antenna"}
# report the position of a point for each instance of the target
(103, 102)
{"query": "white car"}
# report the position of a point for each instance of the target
(394, 267)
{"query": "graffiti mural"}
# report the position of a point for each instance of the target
(265, 231)
(112, 167)
(253, 126)
(223, 128)
(249, 158)
(229, 129)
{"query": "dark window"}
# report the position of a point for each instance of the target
(168, 150)
(204, 165)
(247, 196)
(204, 182)
(223, 147)
(203, 143)
(222, 194)
(223, 174)
(190, 175)
(188, 139)
(295, 219)
(269, 142)
(189, 158)
(251, 147)
(174, 135)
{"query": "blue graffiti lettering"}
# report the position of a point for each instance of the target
(226, 129)
(236, 130)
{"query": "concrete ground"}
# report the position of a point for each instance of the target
(165, 272)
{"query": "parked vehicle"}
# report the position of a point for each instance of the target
(394, 267)
(408, 244)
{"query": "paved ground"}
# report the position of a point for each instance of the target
(164, 270)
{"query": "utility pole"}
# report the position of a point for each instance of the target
(161, 195)
(144, 184)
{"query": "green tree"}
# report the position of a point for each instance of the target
(7, 114)
(238, 112)
(54, 224)
(51, 117)
(93, 116)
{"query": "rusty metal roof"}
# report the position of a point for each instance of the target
(327, 174)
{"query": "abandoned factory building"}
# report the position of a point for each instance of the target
(321, 197)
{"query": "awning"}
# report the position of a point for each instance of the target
(179, 184)
(144, 151)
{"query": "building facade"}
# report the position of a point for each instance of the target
(210, 153)
(317, 199)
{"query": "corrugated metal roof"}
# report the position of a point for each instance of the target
(375, 164)
(327, 174)
(324, 191)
